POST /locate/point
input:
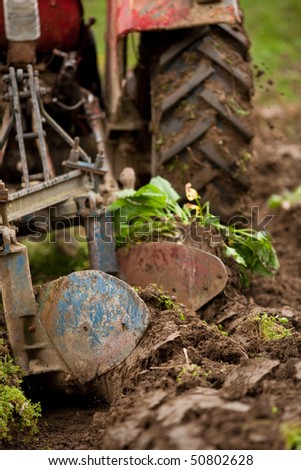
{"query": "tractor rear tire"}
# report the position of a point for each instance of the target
(201, 87)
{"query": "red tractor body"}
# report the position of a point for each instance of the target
(146, 15)
(60, 25)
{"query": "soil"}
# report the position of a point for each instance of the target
(212, 379)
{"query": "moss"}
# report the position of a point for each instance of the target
(272, 327)
(18, 415)
(189, 371)
(219, 329)
(166, 302)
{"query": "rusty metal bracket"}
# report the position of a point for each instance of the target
(100, 234)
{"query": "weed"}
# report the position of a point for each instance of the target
(232, 103)
(184, 167)
(156, 209)
(182, 316)
(246, 156)
(170, 167)
(166, 302)
(188, 370)
(286, 200)
(271, 327)
(292, 435)
(160, 141)
(243, 160)
(222, 330)
(192, 370)
(219, 329)
(188, 110)
(274, 410)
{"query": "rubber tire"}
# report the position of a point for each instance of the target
(201, 88)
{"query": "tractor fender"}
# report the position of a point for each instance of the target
(147, 15)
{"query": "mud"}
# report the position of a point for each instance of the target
(226, 377)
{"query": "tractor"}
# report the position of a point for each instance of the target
(174, 100)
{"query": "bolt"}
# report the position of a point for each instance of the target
(3, 191)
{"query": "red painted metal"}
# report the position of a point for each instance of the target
(61, 22)
(193, 276)
(142, 15)
(125, 16)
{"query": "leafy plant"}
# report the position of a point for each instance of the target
(153, 212)
(147, 213)
(17, 413)
(252, 251)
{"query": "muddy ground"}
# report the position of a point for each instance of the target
(193, 385)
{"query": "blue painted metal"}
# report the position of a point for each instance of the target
(79, 326)
(101, 243)
(93, 320)
(29, 342)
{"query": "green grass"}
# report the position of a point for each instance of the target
(49, 260)
(97, 9)
(274, 30)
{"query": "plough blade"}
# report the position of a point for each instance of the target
(93, 321)
(193, 276)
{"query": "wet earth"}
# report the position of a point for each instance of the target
(225, 377)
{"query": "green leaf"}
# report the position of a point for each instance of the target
(166, 188)
(232, 253)
(124, 193)
(274, 201)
